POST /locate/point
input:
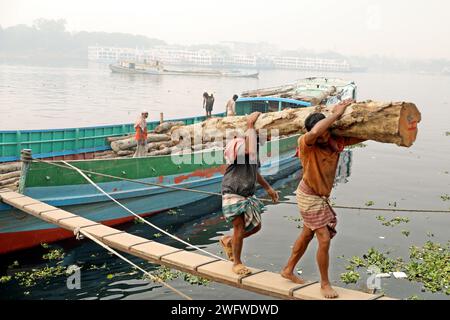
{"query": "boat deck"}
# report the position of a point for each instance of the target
(260, 281)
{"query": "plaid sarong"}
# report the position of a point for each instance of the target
(316, 211)
(234, 205)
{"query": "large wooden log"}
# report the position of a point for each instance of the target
(392, 122)
(131, 142)
(10, 166)
(9, 175)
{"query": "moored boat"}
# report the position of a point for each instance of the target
(61, 187)
(157, 68)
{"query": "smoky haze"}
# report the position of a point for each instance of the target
(409, 29)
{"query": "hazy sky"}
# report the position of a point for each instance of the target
(400, 28)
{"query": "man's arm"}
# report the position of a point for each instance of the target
(270, 191)
(250, 136)
(324, 124)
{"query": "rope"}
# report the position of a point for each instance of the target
(151, 276)
(371, 209)
(139, 217)
(219, 194)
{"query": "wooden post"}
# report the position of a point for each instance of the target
(161, 117)
(26, 158)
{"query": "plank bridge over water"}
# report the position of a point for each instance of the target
(260, 281)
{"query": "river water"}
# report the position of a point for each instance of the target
(33, 97)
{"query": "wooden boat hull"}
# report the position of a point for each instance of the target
(19, 230)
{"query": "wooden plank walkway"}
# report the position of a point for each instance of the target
(260, 281)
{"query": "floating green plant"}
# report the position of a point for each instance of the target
(369, 203)
(445, 197)
(31, 278)
(191, 279)
(157, 235)
(405, 233)
(56, 254)
(393, 222)
(138, 221)
(350, 277)
(430, 265)
(15, 264)
(5, 279)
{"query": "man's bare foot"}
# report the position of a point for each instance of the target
(292, 277)
(328, 291)
(241, 270)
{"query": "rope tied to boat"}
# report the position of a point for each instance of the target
(153, 184)
(139, 217)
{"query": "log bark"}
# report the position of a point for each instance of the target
(8, 181)
(10, 166)
(160, 152)
(392, 122)
(158, 145)
(131, 142)
(9, 175)
(166, 126)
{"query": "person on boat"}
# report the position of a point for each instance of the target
(319, 154)
(208, 103)
(141, 135)
(239, 204)
(231, 106)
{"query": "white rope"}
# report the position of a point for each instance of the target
(151, 276)
(139, 217)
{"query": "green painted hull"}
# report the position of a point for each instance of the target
(42, 174)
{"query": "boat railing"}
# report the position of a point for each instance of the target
(47, 143)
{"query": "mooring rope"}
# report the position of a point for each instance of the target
(139, 217)
(152, 184)
(151, 276)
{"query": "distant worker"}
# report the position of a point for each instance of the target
(141, 135)
(208, 103)
(231, 106)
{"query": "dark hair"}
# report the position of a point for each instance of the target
(205, 94)
(235, 97)
(312, 119)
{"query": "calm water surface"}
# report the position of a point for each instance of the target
(416, 177)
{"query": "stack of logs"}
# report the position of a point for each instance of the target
(159, 142)
(10, 175)
(391, 122)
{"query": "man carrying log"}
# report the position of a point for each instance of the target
(239, 205)
(319, 154)
(141, 135)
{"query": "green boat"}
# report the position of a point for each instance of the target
(65, 188)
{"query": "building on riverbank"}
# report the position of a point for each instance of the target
(212, 58)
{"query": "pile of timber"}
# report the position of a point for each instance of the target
(159, 142)
(387, 122)
(292, 92)
(10, 175)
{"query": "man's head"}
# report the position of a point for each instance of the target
(311, 121)
(235, 97)
(205, 94)
(144, 114)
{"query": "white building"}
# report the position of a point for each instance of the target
(316, 64)
(179, 56)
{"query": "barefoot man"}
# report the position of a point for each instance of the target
(239, 205)
(319, 154)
